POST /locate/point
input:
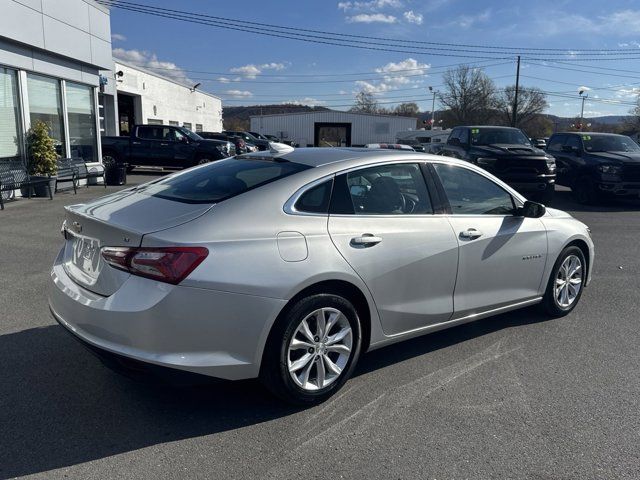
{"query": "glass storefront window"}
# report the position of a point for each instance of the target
(10, 135)
(45, 104)
(82, 122)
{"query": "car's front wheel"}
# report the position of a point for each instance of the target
(312, 349)
(566, 282)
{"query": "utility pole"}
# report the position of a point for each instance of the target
(515, 100)
(584, 97)
(433, 108)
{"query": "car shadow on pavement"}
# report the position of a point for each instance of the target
(563, 200)
(60, 407)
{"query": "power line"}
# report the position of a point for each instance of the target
(429, 69)
(289, 33)
(351, 80)
(557, 67)
(218, 19)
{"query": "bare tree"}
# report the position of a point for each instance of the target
(537, 126)
(365, 103)
(531, 102)
(409, 109)
(633, 123)
(468, 93)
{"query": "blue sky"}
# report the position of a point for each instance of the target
(247, 69)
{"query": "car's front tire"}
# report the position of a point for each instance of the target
(566, 282)
(312, 349)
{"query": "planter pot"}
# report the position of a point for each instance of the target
(40, 190)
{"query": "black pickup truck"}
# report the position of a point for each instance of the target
(597, 165)
(162, 146)
(508, 154)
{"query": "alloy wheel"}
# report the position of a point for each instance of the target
(320, 349)
(568, 281)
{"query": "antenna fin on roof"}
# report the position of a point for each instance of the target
(277, 148)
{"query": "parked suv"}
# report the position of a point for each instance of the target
(162, 146)
(508, 154)
(247, 137)
(239, 144)
(596, 165)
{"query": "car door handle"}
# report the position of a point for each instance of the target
(136, 143)
(366, 240)
(164, 144)
(470, 234)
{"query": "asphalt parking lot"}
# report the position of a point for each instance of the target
(514, 396)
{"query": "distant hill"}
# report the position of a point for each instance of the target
(237, 118)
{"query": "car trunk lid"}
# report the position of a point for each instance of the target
(118, 220)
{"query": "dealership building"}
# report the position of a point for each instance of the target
(143, 98)
(332, 128)
(56, 65)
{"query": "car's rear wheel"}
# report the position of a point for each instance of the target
(202, 161)
(566, 282)
(312, 349)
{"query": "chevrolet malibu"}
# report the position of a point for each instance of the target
(288, 265)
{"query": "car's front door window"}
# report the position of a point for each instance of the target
(470, 193)
(179, 136)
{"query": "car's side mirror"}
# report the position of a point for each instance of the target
(531, 210)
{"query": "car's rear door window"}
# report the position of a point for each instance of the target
(221, 180)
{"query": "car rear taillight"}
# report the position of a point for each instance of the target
(165, 264)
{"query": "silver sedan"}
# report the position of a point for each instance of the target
(288, 265)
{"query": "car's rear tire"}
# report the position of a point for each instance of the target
(566, 282)
(305, 363)
(584, 191)
(202, 161)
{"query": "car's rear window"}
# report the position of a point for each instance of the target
(221, 180)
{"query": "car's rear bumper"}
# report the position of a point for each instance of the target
(214, 333)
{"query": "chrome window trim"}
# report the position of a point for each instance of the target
(289, 206)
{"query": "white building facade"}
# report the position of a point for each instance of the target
(330, 128)
(145, 96)
(51, 53)
(57, 66)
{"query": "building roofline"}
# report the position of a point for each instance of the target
(100, 7)
(332, 111)
(163, 77)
